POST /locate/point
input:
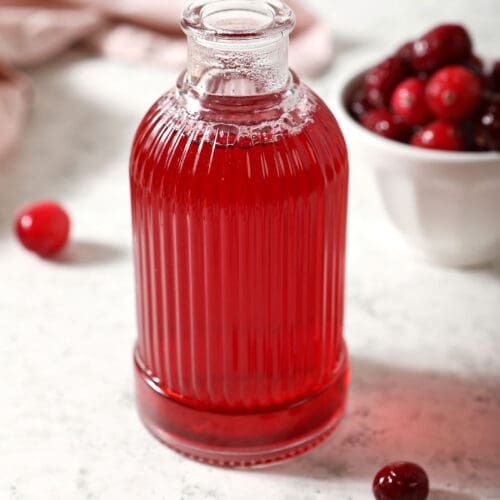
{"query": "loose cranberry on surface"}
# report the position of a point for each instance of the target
(43, 227)
(439, 135)
(452, 93)
(386, 124)
(401, 481)
(381, 80)
(487, 127)
(445, 44)
(408, 101)
(359, 104)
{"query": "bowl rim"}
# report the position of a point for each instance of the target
(345, 87)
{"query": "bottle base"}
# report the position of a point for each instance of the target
(242, 439)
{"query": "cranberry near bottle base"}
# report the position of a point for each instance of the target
(239, 196)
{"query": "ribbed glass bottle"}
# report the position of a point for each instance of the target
(239, 194)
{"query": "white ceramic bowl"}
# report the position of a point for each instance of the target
(447, 204)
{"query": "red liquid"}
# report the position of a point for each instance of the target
(239, 255)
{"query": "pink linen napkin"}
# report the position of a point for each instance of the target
(15, 98)
(33, 31)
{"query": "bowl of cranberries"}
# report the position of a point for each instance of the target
(426, 119)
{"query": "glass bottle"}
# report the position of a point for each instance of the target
(239, 193)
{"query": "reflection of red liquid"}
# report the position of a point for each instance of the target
(239, 253)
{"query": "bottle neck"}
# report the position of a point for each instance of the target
(237, 68)
(237, 48)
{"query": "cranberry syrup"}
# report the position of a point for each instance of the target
(239, 218)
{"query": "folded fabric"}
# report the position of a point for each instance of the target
(34, 31)
(15, 99)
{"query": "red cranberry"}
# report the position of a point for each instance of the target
(440, 135)
(386, 124)
(359, 104)
(408, 101)
(475, 64)
(445, 44)
(468, 130)
(487, 127)
(495, 77)
(381, 80)
(43, 227)
(401, 481)
(405, 51)
(452, 93)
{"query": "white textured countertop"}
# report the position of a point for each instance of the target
(424, 341)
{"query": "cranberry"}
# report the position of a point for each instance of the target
(359, 104)
(495, 77)
(381, 80)
(440, 135)
(475, 64)
(386, 124)
(405, 51)
(445, 44)
(401, 481)
(43, 227)
(468, 130)
(408, 101)
(487, 127)
(453, 92)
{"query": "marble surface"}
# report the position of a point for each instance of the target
(424, 340)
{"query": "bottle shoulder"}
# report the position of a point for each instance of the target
(235, 121)
(175, 143)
